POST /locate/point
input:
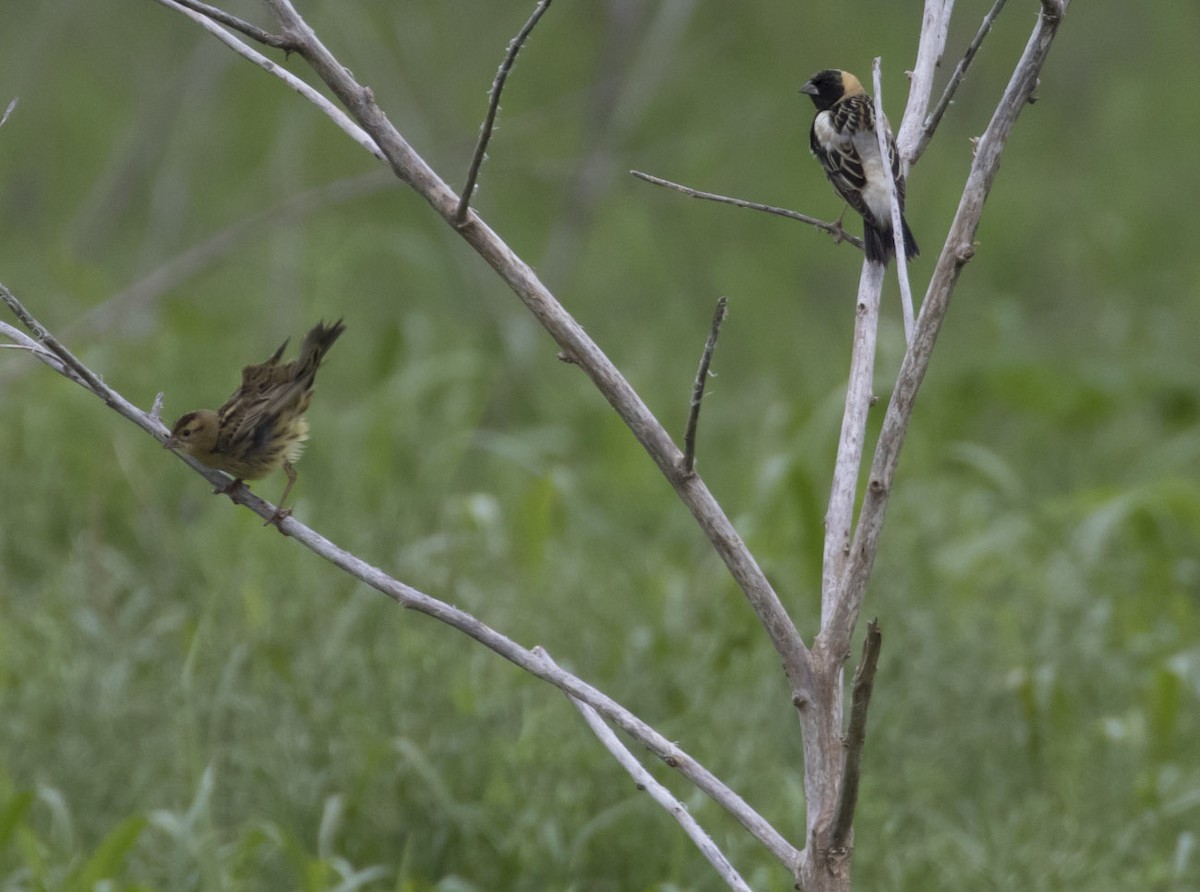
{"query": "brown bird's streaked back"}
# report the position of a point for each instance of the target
(261, 426)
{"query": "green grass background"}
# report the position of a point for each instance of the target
(189, 701)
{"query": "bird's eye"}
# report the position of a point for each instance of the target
(185, 433)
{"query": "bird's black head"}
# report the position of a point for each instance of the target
(828, 86)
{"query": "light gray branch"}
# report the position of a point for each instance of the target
(330, 110)
(960, 71)
(816, 675)
(240, 25)
(9, 109)
(660, 794)
(824, 867)
(935, 26)
(958, 250)
(47, 348)
(821, 715)
(881, 129)
(839, 517)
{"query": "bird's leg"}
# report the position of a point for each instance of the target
(839, 234)
(280, 511)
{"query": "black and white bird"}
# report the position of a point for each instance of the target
(843, 139)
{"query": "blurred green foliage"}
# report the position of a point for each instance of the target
(190, 701)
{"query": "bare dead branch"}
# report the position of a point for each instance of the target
(881, 128)
(660, 794)
(46, 347)
(821, 718)
(51, 351)
(8, 111)
(21, 341)
(570, 336)
(822, 865)
(489, 123)
(69, 362)
(330, 110)
(689, 437)
(856, 735)
(958, 250)
(815, 675)
(960, 71)
(240, 25)
(839, 518)
(834, 229)
(935, 26)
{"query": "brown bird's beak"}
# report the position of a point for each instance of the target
(171, 443)
(809, 89)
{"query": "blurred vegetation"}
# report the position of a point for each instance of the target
(190, 701)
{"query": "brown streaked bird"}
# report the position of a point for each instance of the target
(843, 139)
(262, 426)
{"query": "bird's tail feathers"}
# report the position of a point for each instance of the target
(880, 246)
(316, 344)
(910, 244)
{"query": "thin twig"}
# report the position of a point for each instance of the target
(856, 735)
(8, 111)
(833, 229)
(22, 341)
(240, 25)
(881, 137)
(489, 123)
(659, 793)
(960, 70)
(689, 437)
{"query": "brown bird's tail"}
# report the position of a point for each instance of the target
(880, 245)
(316, 344)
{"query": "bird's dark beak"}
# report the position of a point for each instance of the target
(171, 443)
(809, 89)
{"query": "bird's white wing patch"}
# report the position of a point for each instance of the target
(827, 135)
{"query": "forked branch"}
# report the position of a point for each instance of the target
(266, 38)
(50, 350)
(960, 72)
(958, 250)
(570, 336)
